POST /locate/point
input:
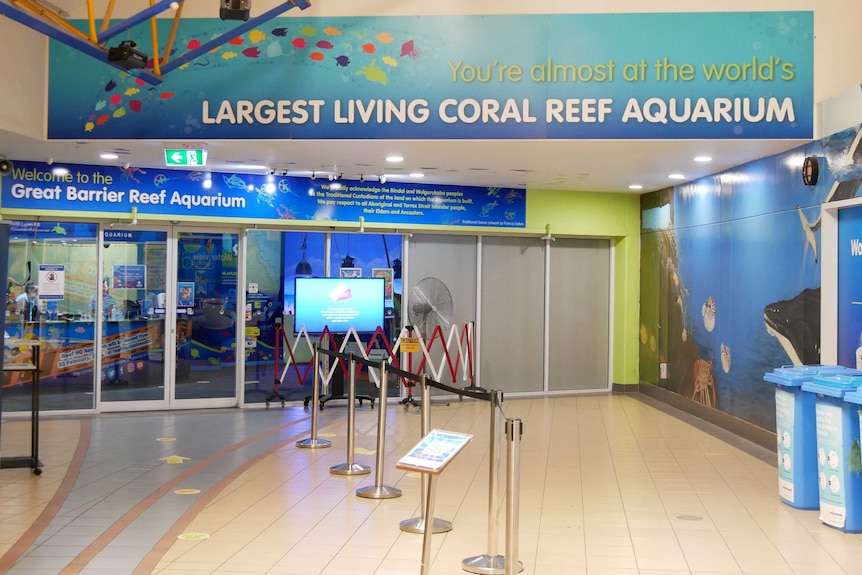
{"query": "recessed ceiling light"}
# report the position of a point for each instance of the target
(676, 177)
(394, 159)
(636, 187)
(417, 175)
(702, 159)
(108, 156)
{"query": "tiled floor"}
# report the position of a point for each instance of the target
(609, 485)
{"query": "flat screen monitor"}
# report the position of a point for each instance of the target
(339, 304)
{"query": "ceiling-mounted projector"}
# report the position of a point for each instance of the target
(235, 9)
(127, 56)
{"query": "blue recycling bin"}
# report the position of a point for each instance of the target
(796, 433)
(837, 429)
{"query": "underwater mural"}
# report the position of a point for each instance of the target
(730, 276)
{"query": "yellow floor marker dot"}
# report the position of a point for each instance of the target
(187, 491)
(166, 439)
(193, 536)
(174, 459)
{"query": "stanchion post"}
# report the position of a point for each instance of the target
(350, 468)
(313, 442)
(417, 524)
(491, 562)
(514, 430)
(378, 490)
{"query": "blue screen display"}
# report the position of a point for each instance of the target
(339, 304)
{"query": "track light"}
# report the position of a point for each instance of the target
(313, 175)
(361, 178)
(382, 179)
(234, 9)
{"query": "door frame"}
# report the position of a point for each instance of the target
(168, 400)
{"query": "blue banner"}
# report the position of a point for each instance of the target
(726, 75)
(107, 189)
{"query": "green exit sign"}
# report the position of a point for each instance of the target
(185, 157)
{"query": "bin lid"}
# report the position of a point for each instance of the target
(853, 396)
(796, 375)
(833, 385)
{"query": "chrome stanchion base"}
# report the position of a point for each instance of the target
(417, 525)
(487, 564)
(382, 492)
(350, 469)
(313, 443)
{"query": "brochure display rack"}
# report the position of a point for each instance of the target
(31, 367)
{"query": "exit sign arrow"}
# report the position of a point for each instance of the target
(185, 157)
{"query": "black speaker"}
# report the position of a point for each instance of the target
(5, 167)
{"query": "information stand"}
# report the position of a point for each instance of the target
(31, 367)
(431, 455)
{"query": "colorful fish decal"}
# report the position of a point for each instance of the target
(390, 61)
(410, 50)
(342, 61)
(136, 106)
(116, 99)
(274, 50)
(316, 56)
(99, 105)
(229, 55)
(373, 74)
(308, 31)
(280, 32)
(166, 95)
(369, 48)
(193, 44)
(88, 127)
(361, 36)
(119, 113)
(298, 43)
(131, 91)
(384, 37)
(235, 182)
(256, 36)
(325, 45)
(110, 86)
(236, 41)
(253, 52)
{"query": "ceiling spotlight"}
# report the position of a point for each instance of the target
(394, 159)
(636, 187)
(49, 161)
(331, 177)
(108, 156)
(676, 176)
(127, 56)
(382, 179)
(126, 166)
(702, 159)
(417, 175)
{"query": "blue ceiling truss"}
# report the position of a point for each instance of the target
(41, 18)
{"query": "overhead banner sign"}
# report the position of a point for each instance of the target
(32, 186)
(726, 75)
